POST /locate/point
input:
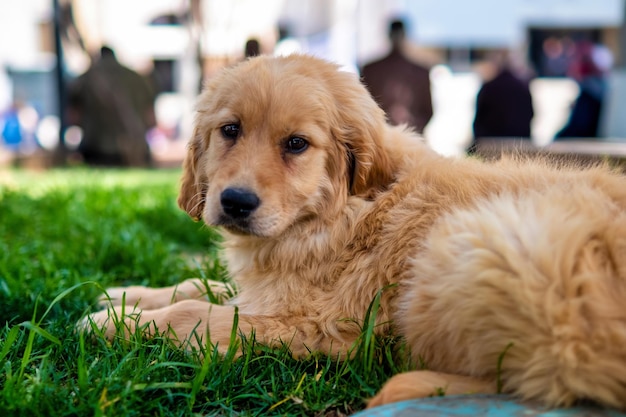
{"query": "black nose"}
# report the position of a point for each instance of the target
(239, 203)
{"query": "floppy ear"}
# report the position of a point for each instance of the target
(369, 168)
(193, 185)
(361, 127)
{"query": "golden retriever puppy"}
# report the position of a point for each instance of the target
(506, 274)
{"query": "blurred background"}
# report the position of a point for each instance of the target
(175, 45)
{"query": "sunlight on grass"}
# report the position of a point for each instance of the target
(39, 182)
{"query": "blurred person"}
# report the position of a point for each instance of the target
(556, 56)
(19, 125)
(504, 107)
(589, 69)
(400, 86)
(114, 106)
(11, 129)
(252, 48)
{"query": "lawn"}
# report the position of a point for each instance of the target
(66, 235)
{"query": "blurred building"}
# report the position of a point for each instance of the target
(463, 30)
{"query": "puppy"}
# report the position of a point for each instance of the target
(506, 275)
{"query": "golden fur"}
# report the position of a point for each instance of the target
(517, 259)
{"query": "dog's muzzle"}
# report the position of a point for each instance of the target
(239, 203)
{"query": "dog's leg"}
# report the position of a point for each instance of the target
(148, 298)
(194, 323)
(419, 384)
(186, 322)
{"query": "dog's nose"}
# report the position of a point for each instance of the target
(239, 203)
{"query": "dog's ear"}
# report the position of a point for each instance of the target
(369, 168)
(193, 185)
(361, 127)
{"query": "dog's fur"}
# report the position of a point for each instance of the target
(521, 262)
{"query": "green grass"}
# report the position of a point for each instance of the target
(65, 235)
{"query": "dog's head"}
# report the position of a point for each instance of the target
(280, 140)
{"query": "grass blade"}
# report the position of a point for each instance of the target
(36, 329)
(8, 343)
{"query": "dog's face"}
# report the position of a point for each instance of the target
(278, 141)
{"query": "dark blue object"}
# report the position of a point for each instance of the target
(12, 131)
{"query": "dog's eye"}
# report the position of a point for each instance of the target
(231, 131)
(296, 145)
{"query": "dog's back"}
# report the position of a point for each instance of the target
(527, 284)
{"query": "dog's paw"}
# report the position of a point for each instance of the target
(402, 387)
(109, 321)
(148, 298)
(130, 296)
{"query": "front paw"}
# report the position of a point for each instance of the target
(135, 295)
(111, 321)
